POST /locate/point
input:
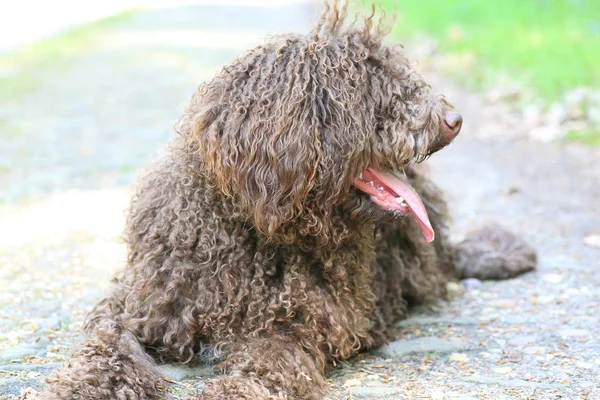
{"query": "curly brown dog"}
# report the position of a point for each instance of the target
(290, 225)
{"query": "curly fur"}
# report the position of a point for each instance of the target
(492, 252)
(249, 243)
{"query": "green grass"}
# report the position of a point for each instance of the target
(548, 45)
(21, 69)
(588, 136)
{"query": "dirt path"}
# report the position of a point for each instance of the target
(71, 147)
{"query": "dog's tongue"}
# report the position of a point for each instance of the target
(411, 198)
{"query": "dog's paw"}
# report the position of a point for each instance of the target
(492, 252)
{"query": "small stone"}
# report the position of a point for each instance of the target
(592, 241)
(32, 374)
(472, 284)
(453, 288)
(352, 383)
(502, 370)
(458, 357)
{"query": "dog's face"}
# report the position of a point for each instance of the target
(411, 124)
(306, 130)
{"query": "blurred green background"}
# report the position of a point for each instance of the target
(548, 47)
(552, 44)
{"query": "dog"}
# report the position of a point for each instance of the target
(291, 224)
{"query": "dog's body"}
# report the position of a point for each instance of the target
(255, 242)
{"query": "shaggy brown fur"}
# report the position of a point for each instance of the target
(492, 252)
(249, 243)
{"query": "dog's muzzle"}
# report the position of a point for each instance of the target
(449, 130)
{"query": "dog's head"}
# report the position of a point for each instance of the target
(308, 130)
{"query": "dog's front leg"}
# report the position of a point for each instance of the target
(269, 367)
(109, 364)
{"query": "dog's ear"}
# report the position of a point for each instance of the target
(265, 153)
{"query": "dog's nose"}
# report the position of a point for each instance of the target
(448, 131)
(453, 121)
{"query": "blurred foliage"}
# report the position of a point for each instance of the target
(550, 45)
(588, 136)
(21, 69)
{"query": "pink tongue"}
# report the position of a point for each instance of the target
(411, 198)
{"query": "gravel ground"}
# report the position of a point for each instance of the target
(74, 145)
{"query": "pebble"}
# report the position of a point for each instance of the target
(401, 348)
(454, 289)
(352, 383)
(458, 357)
